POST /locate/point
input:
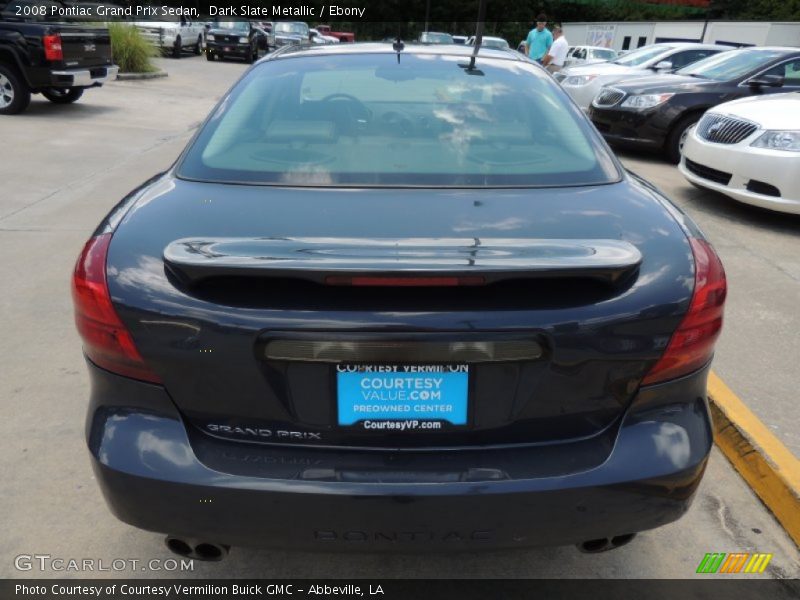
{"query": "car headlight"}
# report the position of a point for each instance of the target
(645, 101)
(577, 80)
(243, 40)
(209, 37)
(779, 140)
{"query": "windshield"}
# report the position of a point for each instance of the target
(641, 56)
(436, 38)
(298, 28)
(494, 43)
(730, 65)
(240, 25)
(365, 120)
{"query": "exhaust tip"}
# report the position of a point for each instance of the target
(205, 551)
(605, 544)
(594, 546)
(178, 546)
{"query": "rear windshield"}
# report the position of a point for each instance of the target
(731, 65)
(642, 55)
(366, 120)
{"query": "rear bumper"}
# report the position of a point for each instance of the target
(94, 77)
(223, 49)
(158, 474)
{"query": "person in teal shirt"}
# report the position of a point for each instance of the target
(539, 40)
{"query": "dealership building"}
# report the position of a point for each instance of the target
(629, 35)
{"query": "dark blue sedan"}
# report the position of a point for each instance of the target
(386, 299)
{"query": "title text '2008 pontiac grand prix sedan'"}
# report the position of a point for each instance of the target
(387, 300)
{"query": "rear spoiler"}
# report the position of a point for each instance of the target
(333, 260)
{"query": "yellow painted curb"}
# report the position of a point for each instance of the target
(768, 466)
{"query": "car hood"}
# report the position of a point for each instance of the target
(600, 68)
(658, 84)
(223, 31)
(774, 111)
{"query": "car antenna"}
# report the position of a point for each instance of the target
(470, 68)
(398, 47)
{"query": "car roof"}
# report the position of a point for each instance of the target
(387, 48)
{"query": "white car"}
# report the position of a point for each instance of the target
(586, 55)
(583, 82)
(749, 150)
(174, 36)
(317, 38)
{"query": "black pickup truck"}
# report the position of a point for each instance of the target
(43, 56)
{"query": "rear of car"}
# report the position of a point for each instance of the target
(381, 302)
(58, 60)
(749, 150)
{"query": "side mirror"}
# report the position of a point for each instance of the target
(664, 65)
(766, 81)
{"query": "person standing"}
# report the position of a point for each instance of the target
(555, 57)
(539, 40)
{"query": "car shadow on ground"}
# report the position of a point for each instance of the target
(41, 108)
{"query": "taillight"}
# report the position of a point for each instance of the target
(106, 341)
(692, 344)
(52, 47)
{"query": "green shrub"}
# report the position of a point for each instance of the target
(130, 50)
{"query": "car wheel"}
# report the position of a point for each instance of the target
(249, 58)
(63, 95)
(198, 47)
(210, 56)
(176, 49)
(677, 137)
(14, 93)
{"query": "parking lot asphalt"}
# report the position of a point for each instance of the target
(65, 166)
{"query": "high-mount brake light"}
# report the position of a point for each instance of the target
(106, 341)
(692, 344)
(378, 281)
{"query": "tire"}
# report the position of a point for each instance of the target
(210, 56)
(14, 92)
(198, 47)
(63, 95)
(677, 137)
(249, 58)
(177, 49)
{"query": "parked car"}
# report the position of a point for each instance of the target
(490, 42)
(435, 37)
(340, 36)
(657, 112)
(55, 59)
(286, 33)
(460, 39)
(174, 37)
(749, 150)
(583, 82)
(240, 39)
(317, 38)
(586, 55)
(525, 365)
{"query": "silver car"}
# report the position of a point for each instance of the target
(582, 82)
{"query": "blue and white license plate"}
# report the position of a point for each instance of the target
(402, 397)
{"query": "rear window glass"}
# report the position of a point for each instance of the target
(366, 120)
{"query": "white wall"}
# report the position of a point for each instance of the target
(753, 33)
